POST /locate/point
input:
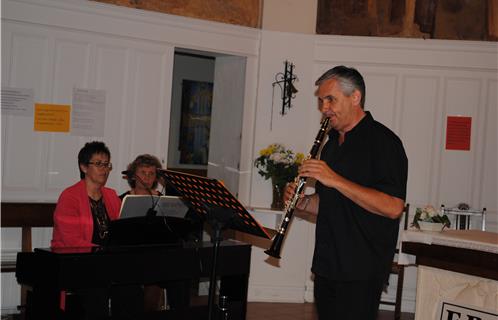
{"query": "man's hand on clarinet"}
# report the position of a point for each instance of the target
(320, 171)
(290, 191)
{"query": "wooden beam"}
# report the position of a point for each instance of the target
(22, 215)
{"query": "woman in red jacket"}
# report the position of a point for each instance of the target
(83, 212)
(81, 219)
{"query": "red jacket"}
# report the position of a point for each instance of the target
(73, 221)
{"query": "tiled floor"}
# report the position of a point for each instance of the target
(298, 311)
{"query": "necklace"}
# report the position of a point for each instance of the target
(99, 211)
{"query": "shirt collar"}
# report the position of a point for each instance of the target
(364, 123)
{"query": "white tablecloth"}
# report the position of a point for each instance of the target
(467, 239)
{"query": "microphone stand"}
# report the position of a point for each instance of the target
(151, 212)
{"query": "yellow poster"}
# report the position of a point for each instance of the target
(52, 117)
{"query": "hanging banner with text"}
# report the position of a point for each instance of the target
(457, 311)
(458, 133)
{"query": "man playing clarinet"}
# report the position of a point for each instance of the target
(360, 192)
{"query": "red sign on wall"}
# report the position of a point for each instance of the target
(458, 133)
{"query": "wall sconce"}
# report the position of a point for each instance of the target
(286, 83)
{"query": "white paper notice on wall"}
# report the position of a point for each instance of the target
(88, 113)
(17, 101)
(456, 311)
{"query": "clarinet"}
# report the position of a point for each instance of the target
(290, 206)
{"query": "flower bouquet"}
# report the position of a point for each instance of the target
(430, 219)
(279, 164)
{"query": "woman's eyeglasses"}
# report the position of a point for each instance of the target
(99, 164)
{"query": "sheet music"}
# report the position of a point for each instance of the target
(172, 207)
(138, 205)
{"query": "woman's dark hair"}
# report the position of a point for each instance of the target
(349, 79)
(86, 153)
(143, 160)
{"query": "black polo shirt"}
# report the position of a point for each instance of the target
(352, 243)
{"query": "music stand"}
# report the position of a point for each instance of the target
(210, 199)
(136, 226)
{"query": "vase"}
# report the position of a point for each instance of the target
(431, 226)
(277, 202)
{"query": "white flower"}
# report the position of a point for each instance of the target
(276, 157)
(431, 211)
(424, 215)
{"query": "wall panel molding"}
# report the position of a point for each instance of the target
(433, 54)
(458, 167)
(136, 24)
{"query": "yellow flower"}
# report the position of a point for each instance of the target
(266, 151)
(273, 147)
(299, 158)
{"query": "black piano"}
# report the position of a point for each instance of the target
(48, 271)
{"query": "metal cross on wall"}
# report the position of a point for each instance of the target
(285, 81)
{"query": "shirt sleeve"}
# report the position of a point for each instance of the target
(391, 167)
(67, 230)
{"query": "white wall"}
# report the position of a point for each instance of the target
(412, 85)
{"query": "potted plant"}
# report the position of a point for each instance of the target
(430, 219)
(279, 164)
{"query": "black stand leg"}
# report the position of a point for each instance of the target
(218, 218)
(212, 280)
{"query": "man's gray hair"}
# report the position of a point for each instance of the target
(349, 80)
